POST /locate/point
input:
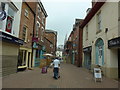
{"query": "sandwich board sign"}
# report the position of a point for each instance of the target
(97, 74)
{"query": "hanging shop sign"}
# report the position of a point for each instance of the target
(2, 15)
(9, 38)
(114, 42)
(34, 39)
(87, 49)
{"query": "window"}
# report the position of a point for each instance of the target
(42, 34)
(39, 10)
(87, 32)
(26, 13)
(24, 34)
(37, 29)
(10, 19)
(99, 21)
(43, 19)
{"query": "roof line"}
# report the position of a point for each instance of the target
(92, 12)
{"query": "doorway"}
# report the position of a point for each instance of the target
(87, 60)
(28, 58)
(119, 64)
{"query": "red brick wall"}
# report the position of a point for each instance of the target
(53, 38)
(29, 22)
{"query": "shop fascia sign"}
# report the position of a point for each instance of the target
(9, 38)
(87, 49)
(114, 42)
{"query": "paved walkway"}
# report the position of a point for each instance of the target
(71, 77)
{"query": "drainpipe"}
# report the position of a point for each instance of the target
(32, 37)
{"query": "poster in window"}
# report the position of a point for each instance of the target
(9, 24)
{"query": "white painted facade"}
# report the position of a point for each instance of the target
(109, 19)
(16, 7)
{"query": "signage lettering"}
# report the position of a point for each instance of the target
(114, 42)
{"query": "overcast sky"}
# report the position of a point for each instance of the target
(61, 16)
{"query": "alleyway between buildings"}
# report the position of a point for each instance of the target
(71, 77)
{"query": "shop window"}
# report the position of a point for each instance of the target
(22, 58)
(37, 53)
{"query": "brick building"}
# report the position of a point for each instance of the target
(38, 36)
(68, 49)
(74, 44)
(52, 37)
(26, 31)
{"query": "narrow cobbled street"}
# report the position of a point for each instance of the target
(71, 77)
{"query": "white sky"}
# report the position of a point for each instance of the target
(61, 15)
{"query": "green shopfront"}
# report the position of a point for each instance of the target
(87, 57)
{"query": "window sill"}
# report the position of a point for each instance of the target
(27, 17)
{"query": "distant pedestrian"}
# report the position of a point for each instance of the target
(56, 64)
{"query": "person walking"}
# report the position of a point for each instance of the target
(56, 64)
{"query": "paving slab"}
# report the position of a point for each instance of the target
(71, 77)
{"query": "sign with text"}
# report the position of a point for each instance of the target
(97, 74)
(114, 42)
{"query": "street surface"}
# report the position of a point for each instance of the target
(71, 77)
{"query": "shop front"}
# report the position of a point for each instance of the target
(87, 57)
(114, 45)
(24, 59)
(9, 56)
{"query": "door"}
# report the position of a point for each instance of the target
(28, 59)
(100, 55)
(119, 64)
(89, 60)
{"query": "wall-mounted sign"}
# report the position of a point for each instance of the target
(9, 24)
(2, 15)
(87, 49)
(9, 38)
(114, 42)
(34, 39)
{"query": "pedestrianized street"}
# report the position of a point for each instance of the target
(71, 77)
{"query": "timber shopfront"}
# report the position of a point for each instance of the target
(87, 57)
(114, 45)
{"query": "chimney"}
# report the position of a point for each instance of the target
(88, 10)
(93, 2)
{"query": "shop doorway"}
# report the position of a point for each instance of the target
(28, 59)
(87, 60)
(119, 64)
